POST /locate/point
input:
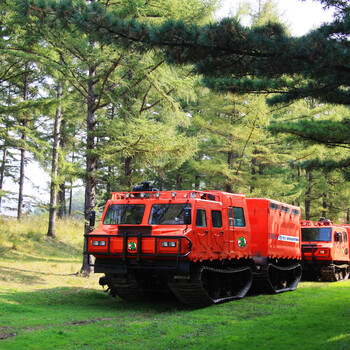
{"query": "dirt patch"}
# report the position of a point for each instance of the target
(8, 335)
(4, 336)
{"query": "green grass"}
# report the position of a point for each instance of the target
(45, 305)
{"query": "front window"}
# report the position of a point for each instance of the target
(168, 214)
(124, 214)
(312, 234)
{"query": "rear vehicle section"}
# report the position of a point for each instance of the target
(325, 251)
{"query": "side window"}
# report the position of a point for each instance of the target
(201, 220)
(216, 218)
(230, 217)
(238, 217)
(345, 236)
(338, 237)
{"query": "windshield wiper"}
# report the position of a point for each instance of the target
(183, 208)
(164, 212)
(123, 213)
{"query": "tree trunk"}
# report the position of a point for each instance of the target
(178, 182)
(197, 181)
(324, 205)
(229, 165)
(127, 172)
(23, 153)
(91, 159)
(2, 172)
(54, 167)
(308, 198)
(108, 185)
(62, 209)
(70, 199)
(253, 172)
(71, 192)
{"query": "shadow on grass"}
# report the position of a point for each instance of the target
(20, 276)
(16, 274)
(74, 300)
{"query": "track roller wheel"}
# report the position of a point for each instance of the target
(335, 273)
(206, 286)
(132, 287)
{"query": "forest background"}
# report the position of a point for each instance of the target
(109, 117)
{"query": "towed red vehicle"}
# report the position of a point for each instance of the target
(325, 250)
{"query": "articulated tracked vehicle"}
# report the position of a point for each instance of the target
(204, 247)
(325, 250)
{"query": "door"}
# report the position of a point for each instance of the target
(217, 232)
(201, 229)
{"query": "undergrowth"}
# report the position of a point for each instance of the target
(24, 234)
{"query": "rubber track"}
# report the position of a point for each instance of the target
(262, 282)
(328, 273)
(126, 287)
(192, 293)
(293, 284)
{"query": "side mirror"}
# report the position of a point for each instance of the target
(92, 218)
(187, 216)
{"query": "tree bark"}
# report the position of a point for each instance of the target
(91, 160)
(71, 193)
(197, 180)
(2, 172)
(62, 209)
(70, 199)
(308, 197)
(54, 167)
(127, 172)
(324, 205)
(229, 165)
(23, 152)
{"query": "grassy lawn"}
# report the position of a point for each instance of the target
(45, 305)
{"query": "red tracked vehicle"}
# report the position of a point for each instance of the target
(204, 246)
(325, 250)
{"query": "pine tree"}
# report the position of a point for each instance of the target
(107, 75)
(237, 58)
(21, 102)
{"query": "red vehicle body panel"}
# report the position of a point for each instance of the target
(260, 230)
(275, 228)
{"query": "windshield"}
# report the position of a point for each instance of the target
(312, 234)
(168, 214)
(124, 214)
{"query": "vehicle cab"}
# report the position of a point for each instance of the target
(325, 249)
(168, 229)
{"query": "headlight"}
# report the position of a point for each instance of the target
(168, 244)
(98, 243)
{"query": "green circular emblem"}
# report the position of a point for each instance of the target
(132, 246)
(242, 242)
(346, 251)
